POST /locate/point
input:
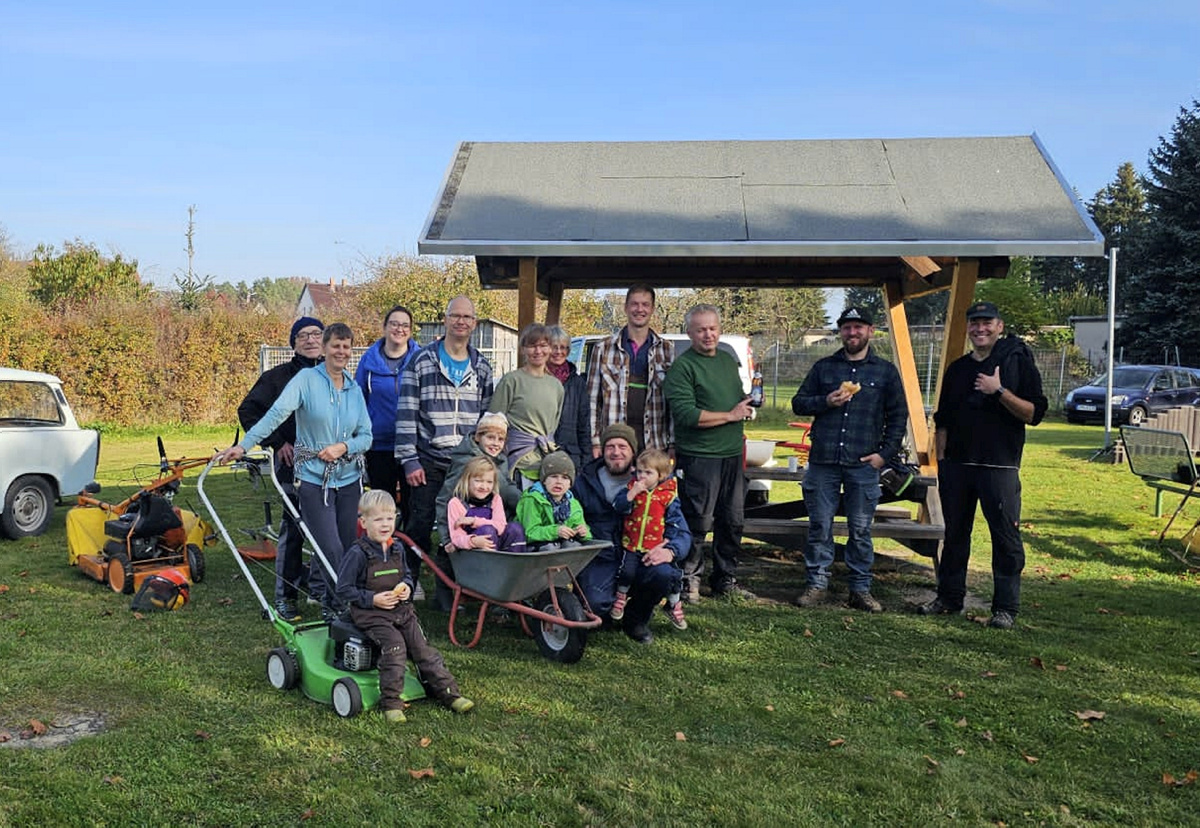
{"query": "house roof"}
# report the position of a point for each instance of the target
(323, 294)
(935, 197)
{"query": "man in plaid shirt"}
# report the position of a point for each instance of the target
(625, 375)
(859, 419)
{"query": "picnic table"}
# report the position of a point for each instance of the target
(785, 523)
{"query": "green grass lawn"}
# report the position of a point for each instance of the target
(760, 714)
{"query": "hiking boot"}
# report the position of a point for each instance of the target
(861, 599)
(811, 597)
(640, 633)
(286, 609)
(675, 613)
(418, 592)
(1002, 620)
(938, 606)
(394, 716)
(618, 608)
(734, 591)
(461, 704)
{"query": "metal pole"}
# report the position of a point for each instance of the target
(1112, 338)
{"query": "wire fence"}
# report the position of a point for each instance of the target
(784, 368)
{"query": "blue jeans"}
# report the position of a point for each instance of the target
(857, 488)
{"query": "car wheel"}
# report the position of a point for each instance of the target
(1137, 415)
(28, 507)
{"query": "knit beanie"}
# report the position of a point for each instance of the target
(557, 462)
(625, 432)
(302, 323)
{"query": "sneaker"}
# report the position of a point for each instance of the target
(462, 704)
(675, 613)
(286, 609)
(938, 606)
(618, 608)
(861, 599)
(811, 597)
(395, 716)
(1002, 620)
(418, 592)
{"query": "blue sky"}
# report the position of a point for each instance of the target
(313, 135)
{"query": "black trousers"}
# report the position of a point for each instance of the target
(997, 491)
(713, 498)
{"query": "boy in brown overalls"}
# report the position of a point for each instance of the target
(377, 586)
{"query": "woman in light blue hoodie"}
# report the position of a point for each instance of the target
(333, 431)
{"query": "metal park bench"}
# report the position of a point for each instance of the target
(1164, 461)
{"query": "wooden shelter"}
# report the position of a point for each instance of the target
(912, 216)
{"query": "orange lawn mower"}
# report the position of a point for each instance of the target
(123, 544)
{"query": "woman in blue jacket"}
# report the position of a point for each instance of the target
(378, 376)
(333, 432)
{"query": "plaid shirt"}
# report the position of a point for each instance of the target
(873, 421)
(608, 385)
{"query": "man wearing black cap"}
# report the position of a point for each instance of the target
(856, 400)
(305, 340)
(988, 397)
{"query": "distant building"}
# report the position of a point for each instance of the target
(319, 299)
(1091, 336)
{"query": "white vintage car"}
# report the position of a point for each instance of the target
(44, 454)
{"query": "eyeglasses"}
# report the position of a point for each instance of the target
(399, 326)
(460, 317)
(309, 335)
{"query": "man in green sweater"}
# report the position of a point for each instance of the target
(708, 406)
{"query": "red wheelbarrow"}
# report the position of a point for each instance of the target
(535, 585)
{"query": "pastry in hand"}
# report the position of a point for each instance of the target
(850, 388)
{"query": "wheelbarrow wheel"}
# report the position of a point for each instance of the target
(195, 562)
(120, 574)
(559, 643)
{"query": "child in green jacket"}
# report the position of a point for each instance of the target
(552, 517)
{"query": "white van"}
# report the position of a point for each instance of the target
(736, 346)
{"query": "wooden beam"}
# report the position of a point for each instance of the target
(526, 293)
(962, 294)
(918, 426)
(923, 266)
(554, 303)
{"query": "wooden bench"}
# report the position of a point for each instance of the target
(1164, 461)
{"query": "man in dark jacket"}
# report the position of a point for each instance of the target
(305, 340)
(988, 397)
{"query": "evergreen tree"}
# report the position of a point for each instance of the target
(1163, 285)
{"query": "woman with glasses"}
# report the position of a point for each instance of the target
(532, 399)
(378, 375)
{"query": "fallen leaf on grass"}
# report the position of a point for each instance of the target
(24, 573)
(900, 694)
(1189, 778)
(425, 741)
(112, 780)
(961, 722)
(3, 588)
(988, 674)
(1104, 611)
(38, 728)
(680, 736)
(836, 742)
(956, 694)
(139, 617)
(307, 815)
(423, 773)
(1089, 715)
(933, 763)
(1033, 760)
(770, 708)
(808, 633)
(960, 752)
(1064, 576)
(226, 602)
(336, 760)
(1062, 668)
(5, 736)
(202, 735)
(1036, 662)
(987, 736)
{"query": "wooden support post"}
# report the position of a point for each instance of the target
(526, 292)
(554, 303)
(962, 295)
(918, 426)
